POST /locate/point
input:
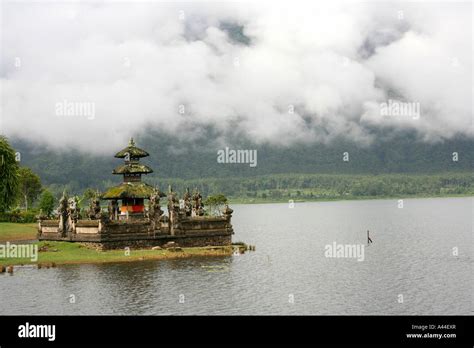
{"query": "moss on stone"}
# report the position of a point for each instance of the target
(129, 190)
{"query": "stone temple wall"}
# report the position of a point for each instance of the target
(190, 232)
(195, 241)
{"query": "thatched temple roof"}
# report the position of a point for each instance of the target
(132, 168)
(129, 190)
(132, 151)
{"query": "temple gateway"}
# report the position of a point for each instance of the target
(134, 217)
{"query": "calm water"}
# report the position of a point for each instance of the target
(412, 256)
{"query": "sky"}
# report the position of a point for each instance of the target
(88, 75)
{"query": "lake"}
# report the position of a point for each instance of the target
(420, 262)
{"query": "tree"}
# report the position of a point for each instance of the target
(46, 203)
(8, 175)
(29, 186)
(215, 203)
(87, 195)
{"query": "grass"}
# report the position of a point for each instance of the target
(61, 253)
(10, 231)
(73, 253)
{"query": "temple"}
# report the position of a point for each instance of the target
(132, 192)
(134, 217)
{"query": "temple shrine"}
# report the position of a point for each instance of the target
(132, 192)
(134, 217)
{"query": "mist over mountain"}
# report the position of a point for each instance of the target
(304, 85)
(87, 76)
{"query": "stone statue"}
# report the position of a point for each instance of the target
(73, 213)
(110, 210)
(113, 209)
(94, 208)
(63, 214)
(198, 206)
(77, 211)
(173, 206)
(170, 201)
(187, 203)
(228, 213)
(154, 210)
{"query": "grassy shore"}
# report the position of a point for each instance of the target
(10, 231)
(61, 253)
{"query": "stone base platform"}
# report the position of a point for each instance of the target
(106, 235)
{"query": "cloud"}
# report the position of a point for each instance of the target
(276, 74)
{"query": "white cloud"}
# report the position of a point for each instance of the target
(334, 64)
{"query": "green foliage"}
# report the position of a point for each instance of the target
(402, 154)
(214, 203)
(18, 216)
(393, 165)
(29, 186)
(216, 199)
(83, 200)
(8, 175)
(88, 194)
(282, 187)
(46, 203)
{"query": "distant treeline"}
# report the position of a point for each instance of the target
(170, 158)
(316, 186)
(395, 164)
(320, 186)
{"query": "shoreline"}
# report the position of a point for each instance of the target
(342, 199)
(67, 253)
(27, 232)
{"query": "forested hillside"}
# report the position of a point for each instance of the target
(179, 159)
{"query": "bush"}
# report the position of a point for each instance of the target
(19, 216)
(215, 203)
(47, 203)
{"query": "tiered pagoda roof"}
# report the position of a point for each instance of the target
(132, 170)
(129, 190)
(131, 151)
